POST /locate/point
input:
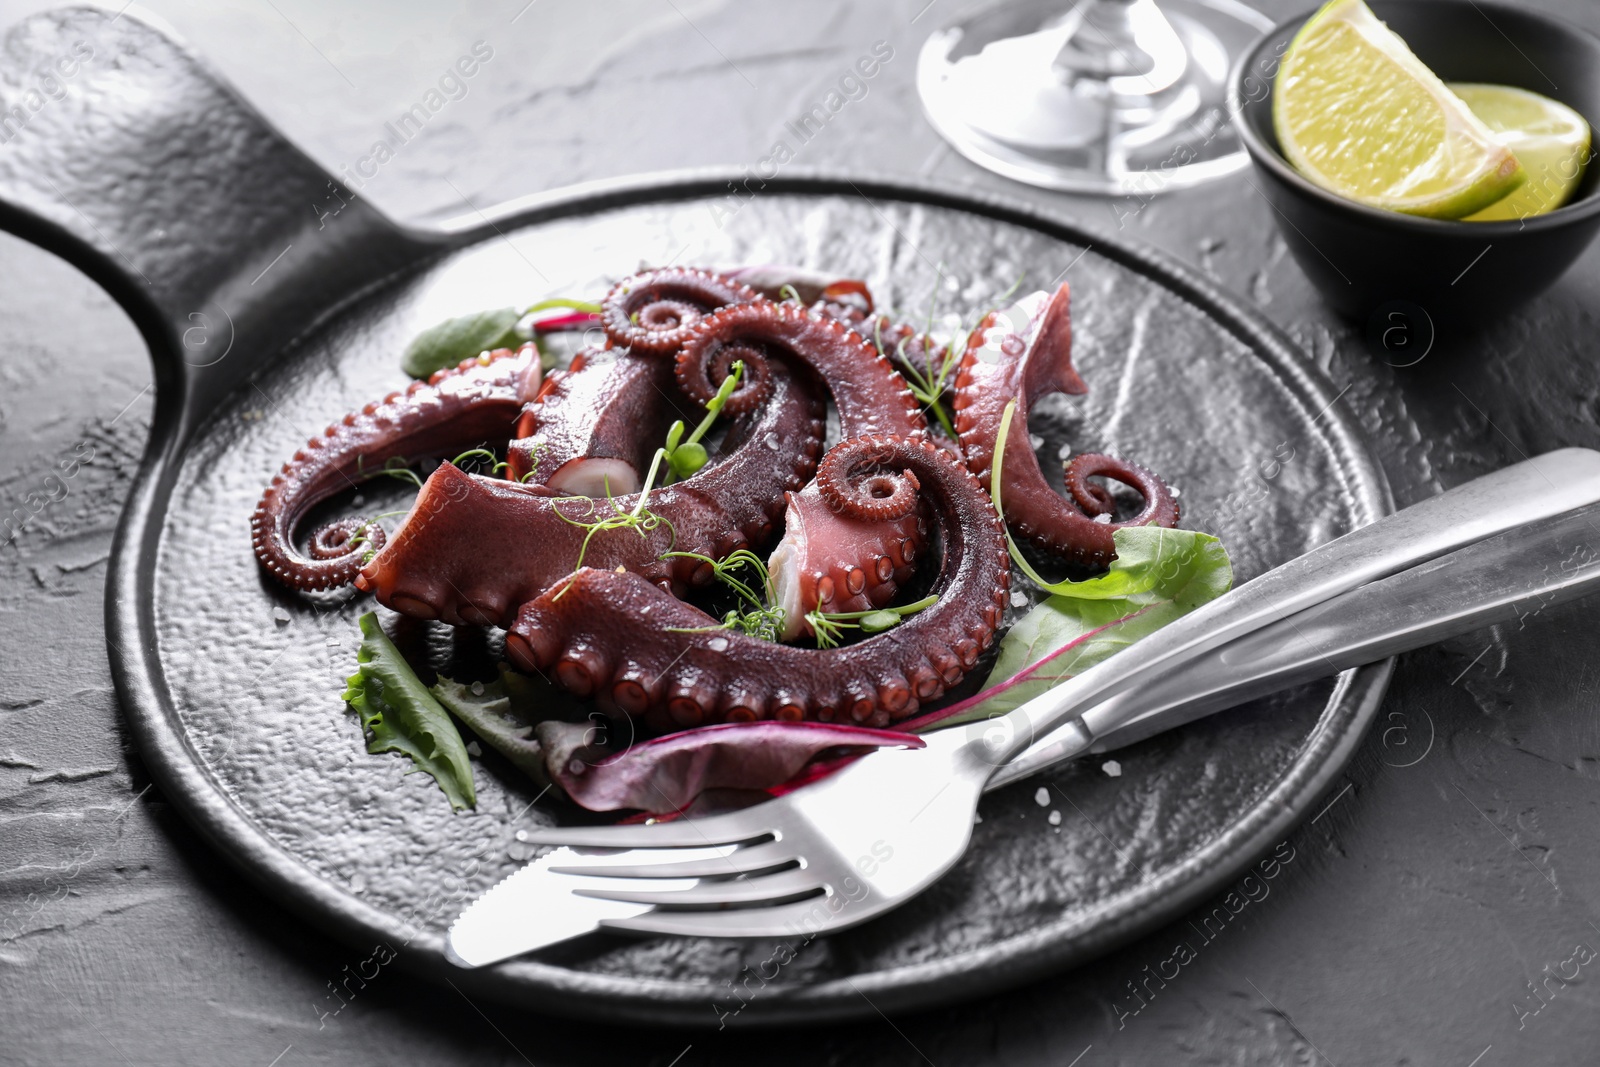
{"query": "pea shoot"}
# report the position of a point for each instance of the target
(829, 626)
(685, 457)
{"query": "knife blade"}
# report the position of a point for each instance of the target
(534, 907)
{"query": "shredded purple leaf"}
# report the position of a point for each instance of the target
(572, 320)
(1030, 673)
(667, 774)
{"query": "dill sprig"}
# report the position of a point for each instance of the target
(756, 615)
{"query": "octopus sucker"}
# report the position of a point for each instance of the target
(652, 312)
(454, 410)
(1024, 354)
(695, 656)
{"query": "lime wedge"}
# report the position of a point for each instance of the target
(1357, 113)
(1550, 140)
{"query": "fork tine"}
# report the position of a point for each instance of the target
(730, 829)
(748, 860)
(801, 919)
(772, 888)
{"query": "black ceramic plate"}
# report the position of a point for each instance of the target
(272, 307)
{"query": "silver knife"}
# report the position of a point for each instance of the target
(1503, 577)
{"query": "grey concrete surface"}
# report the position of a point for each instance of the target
(1439, 911)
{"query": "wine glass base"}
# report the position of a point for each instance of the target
(989, 87)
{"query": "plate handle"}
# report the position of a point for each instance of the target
(122, 152)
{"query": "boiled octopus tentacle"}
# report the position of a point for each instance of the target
(870, 395)
(846, 548)
(652, 312)
(453, 410)
(473, 549)
(619, 638)
(1022, 355)
(593, 428)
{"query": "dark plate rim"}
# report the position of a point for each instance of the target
(180, 773)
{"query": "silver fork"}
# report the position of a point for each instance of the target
(843, 850)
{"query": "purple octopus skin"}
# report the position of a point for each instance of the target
(653, 312)
(1024, 354)
(617, 637)
(454, 410)
(474, 549)
(668, 773)
(593, 428)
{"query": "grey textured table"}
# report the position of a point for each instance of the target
(1437, 911)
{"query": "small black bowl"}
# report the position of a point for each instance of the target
(1365, 260)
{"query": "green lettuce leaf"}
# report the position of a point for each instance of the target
(1159, 575)
(493, 716)
(453, 340)
(400, 715)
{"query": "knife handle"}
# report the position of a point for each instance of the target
(1508, 576)
(1069, 717)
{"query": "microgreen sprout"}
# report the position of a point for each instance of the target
(639, 518)
(584, 306)
(533, 459)
(687, 456)
(999, 505)
(927, 383)
(361, 537)
(476, 453)
(394, 467)
(789, 292)
(757, 616)
(829, 626)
